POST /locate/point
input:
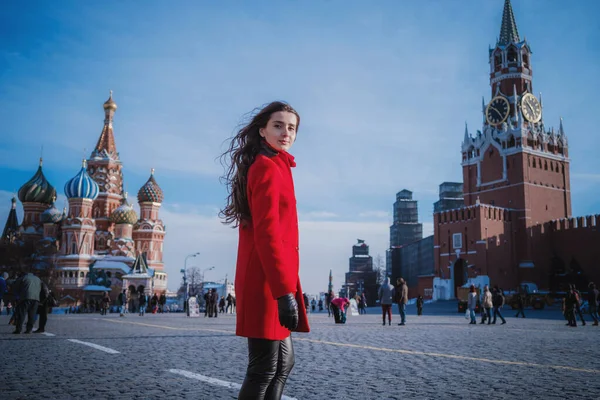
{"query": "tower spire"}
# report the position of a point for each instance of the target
(508, 29)
(466, 139)
(106, 147)
(11, 228)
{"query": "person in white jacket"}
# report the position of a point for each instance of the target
(486, 303)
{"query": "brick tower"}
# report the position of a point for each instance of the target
(515, 162)
(149, 231)
(78, 228)
(104, 166)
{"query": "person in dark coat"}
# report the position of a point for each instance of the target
(29, 288)
(262, 203)
(498, 302)
(420, 302)
(520, 302)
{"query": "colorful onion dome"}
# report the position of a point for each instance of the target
(82, 186)
(52, 214)
(110, 104)
(124, 214)
(150, 192)
(37, 189)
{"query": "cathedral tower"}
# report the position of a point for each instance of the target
(149, 231)
(78, 228)
(36, 195)
(516, 162)
(105, 167)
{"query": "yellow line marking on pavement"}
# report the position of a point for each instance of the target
(165, 327)
(410, 352)
(457, 357)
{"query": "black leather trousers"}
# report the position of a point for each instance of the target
(269, 365)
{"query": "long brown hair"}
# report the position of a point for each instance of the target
(243, 149)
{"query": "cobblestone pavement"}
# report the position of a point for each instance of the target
(432, 357)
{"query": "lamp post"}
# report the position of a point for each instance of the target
(185, 284)
(202, 276)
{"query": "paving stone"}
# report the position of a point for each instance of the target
(436, 356)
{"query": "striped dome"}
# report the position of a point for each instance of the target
(124, 214)
(150, 192)
(82, 186)
(52, 214)
(37, 189)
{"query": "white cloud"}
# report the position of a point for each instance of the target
(316, 215)
(374, 214)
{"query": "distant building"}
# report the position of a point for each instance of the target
(361, 277)
(410, 262)
(451, 197)
(406, 227)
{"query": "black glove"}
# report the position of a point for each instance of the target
(288, 311)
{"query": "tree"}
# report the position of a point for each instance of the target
(194, 279)
(379, 268)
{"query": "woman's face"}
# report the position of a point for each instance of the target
(280, 132)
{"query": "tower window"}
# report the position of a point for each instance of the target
(545, 165)
(525, 60)
(498, 61)
(512, 55)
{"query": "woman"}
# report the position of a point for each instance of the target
(339, 305)
(262, 204)
(487, 305)
(472, 304)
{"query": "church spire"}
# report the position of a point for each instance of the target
(106, 147)
(508, 30)
(11, 228)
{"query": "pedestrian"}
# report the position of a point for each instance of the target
(487, 304)
(498, 302)
(47, 302)
(143, 302)
(420, 305)
(29, 288)
(3, 289)
(578, 304)
(472, 304)
(520, 302)
(386, 299)
(569, 306)
(122, 302)
(105, 303)
(229, 308)
(401, 295)
(222, 305)
(339, 306)
(262, 203)
(363, 303)
(592, 299)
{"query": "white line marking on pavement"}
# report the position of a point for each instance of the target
(214, 381)
(95, 346)
(48, 334)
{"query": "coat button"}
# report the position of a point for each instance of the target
(297, 249)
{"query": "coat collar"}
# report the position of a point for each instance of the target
(269, 151)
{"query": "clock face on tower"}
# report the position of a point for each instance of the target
(531, 108)
(497, 110)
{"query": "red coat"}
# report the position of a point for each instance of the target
(268, 259)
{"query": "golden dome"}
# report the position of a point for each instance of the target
(110, 104)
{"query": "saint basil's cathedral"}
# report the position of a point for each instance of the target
(100, 243)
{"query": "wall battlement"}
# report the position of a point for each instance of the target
(564, 224)
(477, 211)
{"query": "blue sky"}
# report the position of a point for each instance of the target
(383, 88)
